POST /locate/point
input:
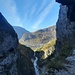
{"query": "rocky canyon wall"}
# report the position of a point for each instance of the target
(14, 59)
(65, 27)
(8, 45)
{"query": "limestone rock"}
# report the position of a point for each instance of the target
(8, 45)
(71, 8)
(25, 61)
(73, 52)
(70, 66)
(64, 29)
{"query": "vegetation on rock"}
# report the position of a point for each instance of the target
(59, 61)
(25, 65)
(48, 48)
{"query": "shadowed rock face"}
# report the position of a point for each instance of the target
(8, 45)
(65, 2)
(71, 8)
(25, 61)
(65, 28)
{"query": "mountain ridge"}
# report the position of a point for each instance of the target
(20, 31)
(38, 38)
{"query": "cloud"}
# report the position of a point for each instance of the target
(33, 9)
(11, 10)
(43, 15)
(30, 13)
(42, 6)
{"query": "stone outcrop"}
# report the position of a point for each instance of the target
(71, 8)
(25, 61)
(14, 59)
(65, 33)
(70, 66)
(8, 45)
(65, 29)
(64, 61)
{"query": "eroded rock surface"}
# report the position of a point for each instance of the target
(8, 45)
(70, 66)
(65, 29)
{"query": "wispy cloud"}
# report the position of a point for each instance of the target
(43, 15)
(33, 9)
(42, 6)
(11, 9)
(29, 10)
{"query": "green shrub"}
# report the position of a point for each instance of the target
(59, 60)
(55, 64)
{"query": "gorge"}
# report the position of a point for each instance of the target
(55, 57)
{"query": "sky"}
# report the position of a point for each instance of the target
(30, 14)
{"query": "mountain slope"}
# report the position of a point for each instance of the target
(25, 65)
(46, 50)
(38, 38)
(20, 31)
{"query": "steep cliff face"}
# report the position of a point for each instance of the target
(65, 29)
(13, 60)
(65, 44)
(64, 60)
(25, 60)
(71, 8)
(8, 45)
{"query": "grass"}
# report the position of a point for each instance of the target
(24, 63)
(58, 62)
(55, 64)
(47, 46)
(50, 44)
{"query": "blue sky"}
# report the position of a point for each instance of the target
(30, 14)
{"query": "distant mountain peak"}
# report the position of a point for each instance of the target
(20, 31)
